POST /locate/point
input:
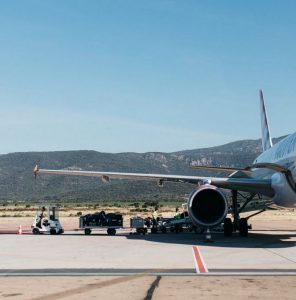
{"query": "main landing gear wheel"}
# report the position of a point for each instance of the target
(243, 227)
(228, 227)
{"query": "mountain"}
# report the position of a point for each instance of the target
(17, 181)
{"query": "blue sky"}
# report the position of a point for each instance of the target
(116, 76)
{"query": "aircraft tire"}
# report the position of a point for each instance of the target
(243, 227)
(228, 227)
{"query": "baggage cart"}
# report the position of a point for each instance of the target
(101, 220)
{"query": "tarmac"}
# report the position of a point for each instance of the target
(153, 266)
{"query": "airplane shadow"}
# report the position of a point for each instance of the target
(254, 239)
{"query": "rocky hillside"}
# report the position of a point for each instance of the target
(17, 181)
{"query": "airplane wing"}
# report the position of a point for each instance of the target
(217, 169)
(222, 169)
(260, 186)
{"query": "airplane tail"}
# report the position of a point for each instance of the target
(266, 138)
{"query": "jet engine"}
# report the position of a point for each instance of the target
(207, 206)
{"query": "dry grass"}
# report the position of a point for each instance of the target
(72, 210)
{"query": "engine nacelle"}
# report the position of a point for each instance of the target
(284, 195)
(207, 206)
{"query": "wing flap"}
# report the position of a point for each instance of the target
(222, 169)
(233, 172)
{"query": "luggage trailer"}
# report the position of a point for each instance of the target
(101, 220)
(112, 222)
(90, 222)
(111, 230)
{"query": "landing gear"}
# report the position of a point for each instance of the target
(238, 224)
(235, 212)
(243, 227)
(228, 227)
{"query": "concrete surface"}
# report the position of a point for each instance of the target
(160, 266)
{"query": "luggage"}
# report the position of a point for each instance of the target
(101, 219)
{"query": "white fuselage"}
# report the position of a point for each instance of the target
(282, 154)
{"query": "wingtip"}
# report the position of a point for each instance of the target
(35, 171)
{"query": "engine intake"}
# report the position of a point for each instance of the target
(207, 206)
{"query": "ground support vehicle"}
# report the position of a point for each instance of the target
(175, 225)
(183, 224)
(178, 224)
(101, 220)
(47, 221)
(139, 224)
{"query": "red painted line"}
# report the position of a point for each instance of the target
(198, 260)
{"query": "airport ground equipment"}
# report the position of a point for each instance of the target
(180, 222)
(101, 220)
(239, 224)
(47, 221)
(139, 224)
(177, 224)
(142, 225)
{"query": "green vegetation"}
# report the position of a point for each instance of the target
(17, 181)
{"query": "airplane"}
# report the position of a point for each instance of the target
(272, 174)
